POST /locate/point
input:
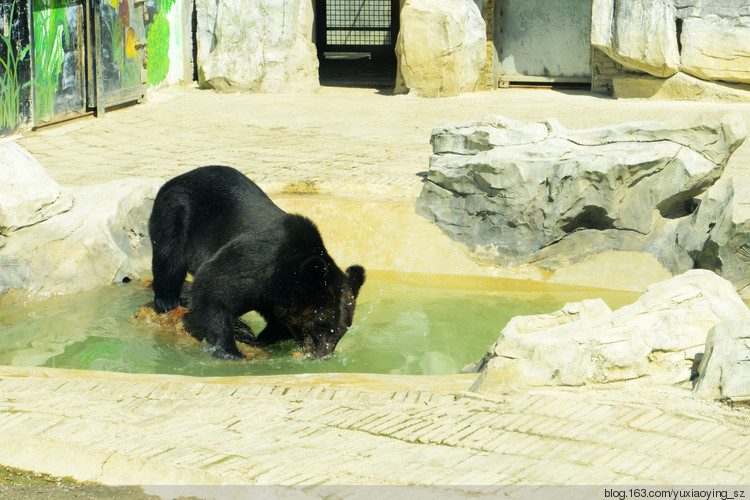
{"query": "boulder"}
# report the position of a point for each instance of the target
(717, 48)
(724, 370)
(27, 194)
(642, 36)
(659, 336)
(718, 234)
(263, 46)
(102, 239)
(539, 194)
(441, 47)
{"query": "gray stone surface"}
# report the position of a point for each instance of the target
(658, 336)
(27, 194)
(441, 47)
(519, 193)
(263, 46)
(641, 36)
(724, 370)
(678, 86)
(716, 48)
(103, 239)
(717, 235)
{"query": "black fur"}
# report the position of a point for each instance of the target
(246, 254)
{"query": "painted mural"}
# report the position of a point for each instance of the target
(59, 83)
(123, 40)
(15, 68)
(131, 43)
(158, 41)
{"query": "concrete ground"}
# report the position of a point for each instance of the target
(345, 429)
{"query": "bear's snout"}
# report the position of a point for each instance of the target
(319, 346)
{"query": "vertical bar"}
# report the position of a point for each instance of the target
(32, 59)
(395, 23)
(321, 27)
(98, 73)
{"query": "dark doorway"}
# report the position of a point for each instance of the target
(356, 42)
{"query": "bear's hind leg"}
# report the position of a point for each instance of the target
(218, 328)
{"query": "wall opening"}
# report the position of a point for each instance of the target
(356, 42)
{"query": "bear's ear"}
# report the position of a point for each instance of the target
(314, 271)
(356, 277)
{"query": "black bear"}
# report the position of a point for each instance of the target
(246, 254)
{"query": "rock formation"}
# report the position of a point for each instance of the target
(538, 194)
(441, 47)
(639, 35)
(101, 238)
(708, 39)
(659, 335)
(263, 46)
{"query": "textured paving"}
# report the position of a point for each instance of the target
(346, 430)
(340, 141)
(179, 430)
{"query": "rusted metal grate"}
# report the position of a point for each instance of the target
(358, 22)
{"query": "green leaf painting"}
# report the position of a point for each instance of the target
(158, 49)
(50, 26)
(10, 87)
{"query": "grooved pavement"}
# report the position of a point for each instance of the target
(125, 429)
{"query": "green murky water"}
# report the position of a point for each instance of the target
(405, 324)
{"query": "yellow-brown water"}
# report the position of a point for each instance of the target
(405, 324)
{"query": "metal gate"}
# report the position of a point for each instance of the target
(357, 26)
(118, 37)
(87, 54)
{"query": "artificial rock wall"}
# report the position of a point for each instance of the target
(642, 47)
(256, 45)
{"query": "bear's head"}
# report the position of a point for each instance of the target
(324, 303)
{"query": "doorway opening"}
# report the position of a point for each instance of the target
(356, 42)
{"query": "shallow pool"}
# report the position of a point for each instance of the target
(405, 324)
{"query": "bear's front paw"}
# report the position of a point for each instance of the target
(162, 305)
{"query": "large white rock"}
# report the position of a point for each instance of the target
(518, 193)
(724, 370)
(717, 48)
(103, 239)
(640, 35)
(658, 335)
(441, 47)
(261, 46)
(27, 194)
